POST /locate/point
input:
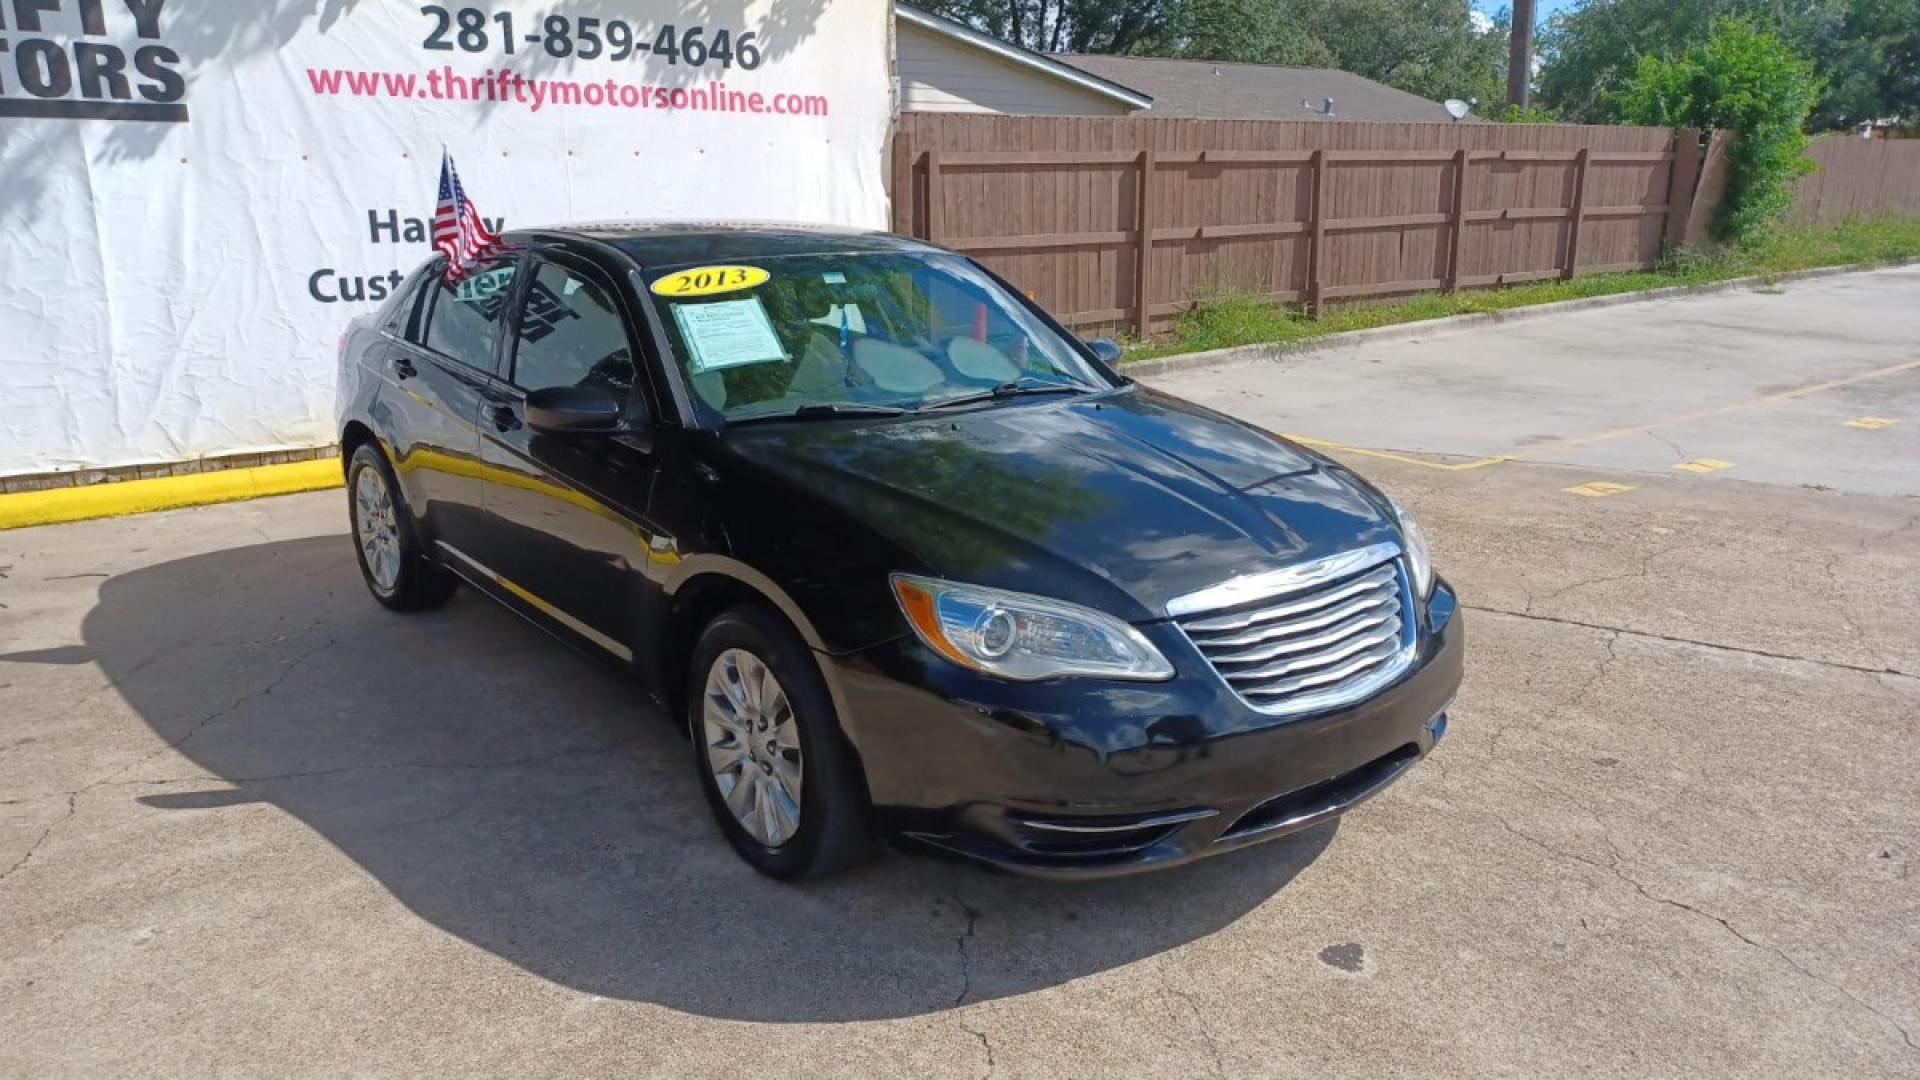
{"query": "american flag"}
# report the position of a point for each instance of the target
(458, 231)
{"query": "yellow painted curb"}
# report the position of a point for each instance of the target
(24, 508)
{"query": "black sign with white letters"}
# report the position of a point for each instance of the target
(57, 61)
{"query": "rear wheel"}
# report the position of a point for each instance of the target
(777, 771)
(396, 569)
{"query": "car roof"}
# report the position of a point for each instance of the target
(663, 243)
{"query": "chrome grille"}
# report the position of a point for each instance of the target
(1325, 635)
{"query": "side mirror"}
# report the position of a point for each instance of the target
(575, 410)
(1108, 352)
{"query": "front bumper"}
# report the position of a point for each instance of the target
(1083, 778)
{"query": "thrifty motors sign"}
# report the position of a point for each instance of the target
(89, 75)
(196, 195)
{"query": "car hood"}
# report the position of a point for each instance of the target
(1121, 501)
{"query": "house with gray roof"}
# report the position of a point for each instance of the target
(948, 67)
(1222, 91)
(945, 66)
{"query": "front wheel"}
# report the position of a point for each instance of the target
(777, 771)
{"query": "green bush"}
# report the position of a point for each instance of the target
(1514, 114)
(1747, 81)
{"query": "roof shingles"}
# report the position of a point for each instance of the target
(1224, 91)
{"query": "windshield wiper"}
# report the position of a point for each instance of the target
(1012, 389)
(822, 410)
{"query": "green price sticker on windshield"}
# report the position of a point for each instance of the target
(709, 280)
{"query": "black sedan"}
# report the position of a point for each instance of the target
(908, 558)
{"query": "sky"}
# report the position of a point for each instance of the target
(1542, 8)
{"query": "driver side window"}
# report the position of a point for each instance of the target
(572, 334)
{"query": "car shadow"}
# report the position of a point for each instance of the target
(523, 799)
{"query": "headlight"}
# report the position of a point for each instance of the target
(1419, 559)
(1016, 636)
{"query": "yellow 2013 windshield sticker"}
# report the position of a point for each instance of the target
(709, 280)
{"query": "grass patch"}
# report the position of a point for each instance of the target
(1230, 320)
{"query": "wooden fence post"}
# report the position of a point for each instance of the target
(935, 212)
(1579, 213)
(1317, 249)
(1142, 293)
(1681, 182)
(1457, 219)
(901, 189)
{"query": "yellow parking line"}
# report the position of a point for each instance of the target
(1597, 489)
(1388, 455)
(1534, 450)
(1703, 465)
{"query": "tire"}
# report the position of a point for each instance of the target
(831, 832)
(386, 544)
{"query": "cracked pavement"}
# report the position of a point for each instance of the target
(252, 823)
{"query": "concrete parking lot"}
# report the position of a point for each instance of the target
(251, 822)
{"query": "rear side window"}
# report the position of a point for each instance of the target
(410, 320)
(465, 316)
(394, 314)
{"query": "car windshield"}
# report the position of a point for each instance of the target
(856, 334)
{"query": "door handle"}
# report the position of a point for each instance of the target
(504, 418)
(404, 368)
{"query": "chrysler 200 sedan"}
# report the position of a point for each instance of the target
(908, 558)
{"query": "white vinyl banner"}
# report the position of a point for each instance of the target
(196, 195)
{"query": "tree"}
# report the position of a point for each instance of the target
(1593, 50)
(1867, 52)
(1080, 26)
(1745, 80)
(1426, 47)
(1869, 56)
(1520, 57)
(1242, 31)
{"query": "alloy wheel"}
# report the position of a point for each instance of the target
(753, 746)
(376, 528)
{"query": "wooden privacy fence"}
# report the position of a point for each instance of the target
(1858, 178)
(1114, 221)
